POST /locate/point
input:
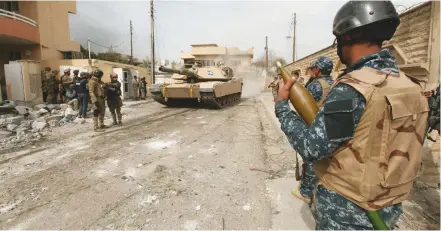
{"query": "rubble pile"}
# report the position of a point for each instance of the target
(30, 124)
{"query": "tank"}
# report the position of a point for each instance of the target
(211, 86)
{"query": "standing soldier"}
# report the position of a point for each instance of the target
(66, 81)
(319, 87)
(75, 76)
(96, 92)
(142, 88)
(53, 88)
(83, 95)
(274, 85)
(113, 98)
(365, 143)
(135, 86)
(45, 78)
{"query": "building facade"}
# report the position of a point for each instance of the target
(210, 54)
(35, 30)
(415, 44)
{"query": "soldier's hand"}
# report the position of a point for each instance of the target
(283, 93)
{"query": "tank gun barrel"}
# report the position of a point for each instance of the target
(186, 72)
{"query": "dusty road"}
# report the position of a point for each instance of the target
(171, 169)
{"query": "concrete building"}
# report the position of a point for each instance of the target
(35, 30)
(210, 54)
(416, 45)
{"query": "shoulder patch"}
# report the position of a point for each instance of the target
(339, 120)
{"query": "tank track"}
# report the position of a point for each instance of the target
(219, 102)
(206, 99)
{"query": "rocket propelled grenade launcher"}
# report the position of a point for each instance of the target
(300, 98)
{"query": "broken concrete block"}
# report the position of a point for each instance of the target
(14, 120)
(21, 130)
(43, 111)
(54, 117)
(51, 107)
(11, 127)
(79, 120)
(26, 124)
(41, 119)
(38, 125)
(54, 123)
(5, 134)
(39, 106)
(33, 115)
(55, 111)
(23, 109)
(63, 107)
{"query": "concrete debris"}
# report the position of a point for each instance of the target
(54, 123)
(55, 111)
(33, 115)
(79, 120)
(41, 119)
(54, 117)
(21, 130)
(36, 125)
(23, 109)
(43, 111)
(39, 106)
(198, 208)
(26, 124)
(51, 107)
(247, 207)
(63, 107)
(14, 120)
(5, 134)
(11, 127)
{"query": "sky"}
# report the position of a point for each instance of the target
(178, 24)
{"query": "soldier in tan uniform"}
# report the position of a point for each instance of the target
(274, 85)
(66, 81)
(96, 92)
(135, 88)
(113, 93)
(52, 87)
(45, 76)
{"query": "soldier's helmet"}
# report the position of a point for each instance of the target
(113, 75)
(67, 70)
(47, 69)
(76, 72)
(324, 64)
(98, 73)
(380, 17)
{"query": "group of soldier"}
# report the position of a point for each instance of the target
(83, 89)
(361, 152)
(139, 88)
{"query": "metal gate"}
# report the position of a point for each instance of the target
(23, 81)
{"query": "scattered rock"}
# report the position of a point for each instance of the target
(5, 134)
(53, 123)
(51, 107)
(14, 120)
(23, 109)
(247, 207)
(21, 130)
(54, 117)
(57, 106)
(79, 120)
(43, 111)
(39, 106)
(33, 115)
(11, 127)
(55, 111)
(26, 124)
(41, 119)
(139, 165)
(198, 208)
(63, 107)
(38, 125)
(190, 156)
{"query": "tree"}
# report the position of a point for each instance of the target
(281, 60)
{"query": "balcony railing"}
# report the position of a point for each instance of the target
(18, 17)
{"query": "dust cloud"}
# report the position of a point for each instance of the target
(253, 84)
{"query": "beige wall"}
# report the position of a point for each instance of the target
(415, 43)
(53, 22)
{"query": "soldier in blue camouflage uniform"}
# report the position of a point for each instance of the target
(331, 210)
(319, 69)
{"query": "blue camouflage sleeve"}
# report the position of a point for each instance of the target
(316, 90)
(312, 143)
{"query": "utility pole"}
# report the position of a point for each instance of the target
(266, 54)
(152, 28)
(294, 40)
(294, 22)
(88, 46)
(131, 43)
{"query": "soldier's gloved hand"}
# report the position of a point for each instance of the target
(94, 106)
(283, 93)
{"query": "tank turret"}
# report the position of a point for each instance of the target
(186, 72)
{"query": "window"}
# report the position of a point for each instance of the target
(13, 56)
(12, 6)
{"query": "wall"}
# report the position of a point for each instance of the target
(28, 9)
(53, 22)
(6, 49)
(415, 43)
